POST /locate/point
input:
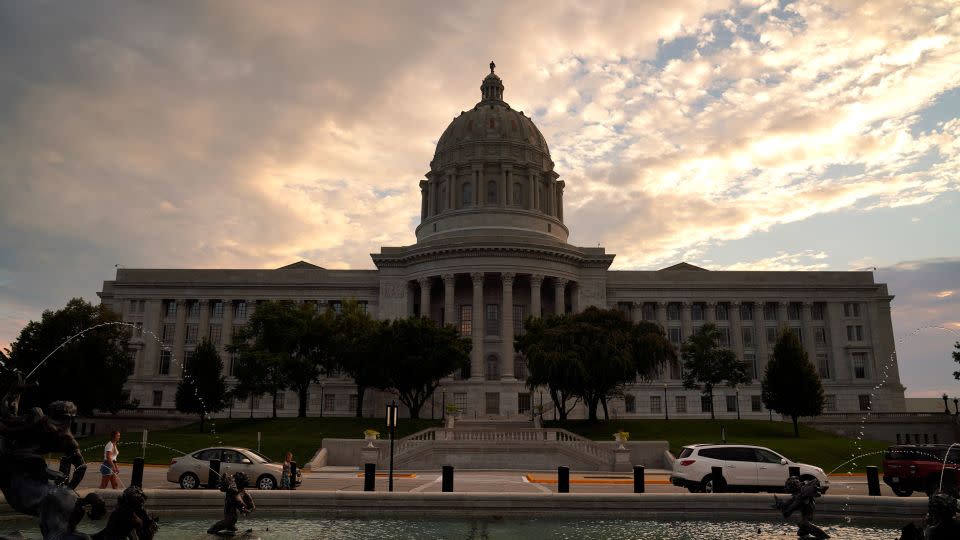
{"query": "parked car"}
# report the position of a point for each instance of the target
(911, 467)
(193, 470)
(745, 468)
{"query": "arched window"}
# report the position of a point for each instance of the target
(466, 196)
(517, 193)
(493, 368)
(491, 192)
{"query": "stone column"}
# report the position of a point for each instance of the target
(506, 352)
(536, 288)
(505, 192)
(559, 285)
(736, 334)
(575, 290)
(806, 320)
(711, 312)
(686, 323)
(179, 335)
(203, 328)
(761, 331)
(636, 312)
(534, 204)
(423, 200)
(782, 316)
(152, 326)
(552, 198)
(424, 296)
(449, 307)
(431, 198)
(560, 186)
(476, 353)
(661, 314)
(226, 333)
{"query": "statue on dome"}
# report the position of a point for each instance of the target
(492, 66)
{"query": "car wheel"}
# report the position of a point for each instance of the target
(189, 481)
(706, 486)
(266, 482)
(902, 492)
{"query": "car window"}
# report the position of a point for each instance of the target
(257, 457)
(686, 452)
(208, 455)
(766, 456)
(739, 453)
(232, 456)
(712, 453)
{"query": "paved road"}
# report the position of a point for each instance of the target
(482, 481)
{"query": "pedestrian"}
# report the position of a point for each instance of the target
(286, 482)
(109, 470)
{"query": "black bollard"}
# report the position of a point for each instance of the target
(638, 479)
(873, 481)
(951, 480)
(446, 485)
(794, 471)
(563, 479)
(369, 476)
(137, 478)
(293, 475)
(213, 478)
(716, 474)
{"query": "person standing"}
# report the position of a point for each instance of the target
(109, 470)
(286, 482)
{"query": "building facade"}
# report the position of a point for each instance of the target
(492, 250)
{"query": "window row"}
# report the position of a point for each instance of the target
(239, 307)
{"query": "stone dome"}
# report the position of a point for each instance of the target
(492, 160)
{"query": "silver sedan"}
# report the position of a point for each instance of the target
(193, 470)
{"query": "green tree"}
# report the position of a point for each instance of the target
(551, 360)
(604, 353)
(791, 385)
(354, 350)
(706, 365)
(203, 389)
(90, 369)
(418, 354)
(956, 358)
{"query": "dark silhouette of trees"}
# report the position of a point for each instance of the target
(203, 389)
(354, 349)
(706, 365)
(791, 385)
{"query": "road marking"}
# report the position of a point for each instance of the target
(418, 489)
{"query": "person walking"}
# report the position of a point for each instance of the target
(109, 470)
(286, 482)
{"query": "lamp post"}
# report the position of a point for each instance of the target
(946, 407)
(321, 400)
(443, 406)
(666, 413)
(391, 428)
(738, 402)
(955, 401)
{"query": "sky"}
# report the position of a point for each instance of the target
(764, 135)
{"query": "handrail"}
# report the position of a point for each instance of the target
(416, 442)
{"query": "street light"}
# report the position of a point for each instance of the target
(443, 406)
(666, 413)
(738, 402)
(391, 428)
(321, 400)
(946, 407)
(955, 400)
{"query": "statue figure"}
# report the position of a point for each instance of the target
(940, 523)
(27, 484)
(802, 495)
(236, 501)
(129, 520)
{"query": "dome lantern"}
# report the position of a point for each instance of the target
(492, 86)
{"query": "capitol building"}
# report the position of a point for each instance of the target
(491, 250)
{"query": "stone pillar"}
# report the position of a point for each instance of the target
(203, 328)
(226, 333)
(505, 192)
(179, 335)
(536, 289)
(782, 315)
(761, 331)
(575, 297)
(152, 326)
(661, 314)
(686, 322)
(560, 186)
(424, 296)
(476, 353)
(559, 285)
(711, 312)
(431, 198)
(449, 307)
(736, 334)
(533, 191)
(423, 200)
(552, 198)
(506, 352)
(806, 320)
(636, 312)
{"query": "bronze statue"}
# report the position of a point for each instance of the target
(130, 519)
(802, 495)
(236, 501)
(940, 523)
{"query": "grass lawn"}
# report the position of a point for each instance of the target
(813, 447)
(301, 436)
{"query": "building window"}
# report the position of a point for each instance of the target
(158, 398)
(818, 310)
(751, 360)
(855, 333)
(193, 311)
(493, 368)
(864, 400)
(523, 403)
(681, 403)
(491, 192)
(492, 400)
(696, 312)
(746, 312)
(466, 319)
(170, 308)
(756, 403)
(860, 365)
(240, 309)
(217, 311)
(722, 312)
(820, 335)
(138, 329)
(337, 306)
(517, 193)
(797, 331)
(676, 371)
(851, 309)
(830, 403)
(493, 320)
(187, 358)
(724, 340)
(466, 195)
(770, 311)
(192, 330)
(520, 368)
(330, 402)
(676, 336)
(352, 402)
(630, 403)
(517, 320)
(823, 367)
(705, 404)
(215, 332)
(793, 311)
(747, 335)
(649, 312)
(673, 312)
(169, 330)
(164, 368)
(234, 364)
(281, 400)
(771, 334)
(655, 405)
(731, 403)
(460, 400)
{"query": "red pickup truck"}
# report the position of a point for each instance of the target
(908, 468)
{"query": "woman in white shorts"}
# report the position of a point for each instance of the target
(109, 470)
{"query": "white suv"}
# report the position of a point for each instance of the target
(745, 468)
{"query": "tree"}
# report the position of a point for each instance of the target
(706, 365)
(956, 358)
(604, 353)
(791, 385)
(203, 389)
(91, 367)
(354, 349)
(418, 353)
(551, 360)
